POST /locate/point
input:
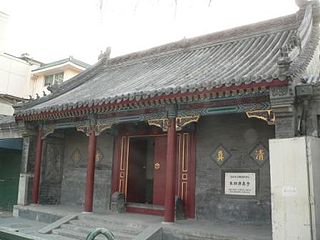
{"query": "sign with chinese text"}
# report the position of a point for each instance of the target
(220, 155)
(259, 154)
(240, 183)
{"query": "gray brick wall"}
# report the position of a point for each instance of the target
(74, 173)
(51, 171)
(239, 135)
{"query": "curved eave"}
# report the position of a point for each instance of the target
(103, 105)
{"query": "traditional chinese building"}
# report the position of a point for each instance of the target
(190, 120)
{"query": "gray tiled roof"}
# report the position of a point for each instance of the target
(6, 119)
(243, 55)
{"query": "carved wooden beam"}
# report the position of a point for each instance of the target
(180, 122)
(265, 115)
(97, 129)
(184, 121)
(161, 123)
(47, 129)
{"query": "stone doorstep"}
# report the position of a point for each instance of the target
(57, 224)
(145, 206)
(80, 235)
(113, 220)
(86, 231)
(32, 213)
(111, 227)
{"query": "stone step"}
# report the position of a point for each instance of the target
(82, 236)
(174, 233)
(86, 230)
(111, 220)
(111, 227)
(56, 237)
(69, 234)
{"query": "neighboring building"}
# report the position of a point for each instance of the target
(3, 31)
(15, 74)
(16, 84)
(10, 159)
(6, 103)
(192, 119)
(54, 73)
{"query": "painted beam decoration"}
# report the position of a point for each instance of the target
(180, 122)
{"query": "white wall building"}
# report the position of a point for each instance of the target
(3, 31)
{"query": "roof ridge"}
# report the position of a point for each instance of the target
(245, 31)
(128, 62)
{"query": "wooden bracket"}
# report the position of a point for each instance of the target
(180, 122)
(265, 115)
(97, 129)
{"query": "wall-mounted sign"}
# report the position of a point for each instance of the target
(220, 155)
(259, 154)
(240, 183)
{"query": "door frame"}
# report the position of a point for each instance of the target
(185, 175)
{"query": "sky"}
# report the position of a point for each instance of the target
(49, 30)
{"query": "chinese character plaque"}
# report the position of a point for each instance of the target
(260, 154)
(220, 155)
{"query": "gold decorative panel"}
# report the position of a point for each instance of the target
(76, 157)
(265, 115)
(99, 155)
(260, 154)
(220, 155)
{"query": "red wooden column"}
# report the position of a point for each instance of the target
(37, 168)
(169, 203)
(90, 171)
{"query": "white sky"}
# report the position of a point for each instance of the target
(50, 30)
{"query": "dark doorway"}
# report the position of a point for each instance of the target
(147, 169)
(9, 177)
(140, 170)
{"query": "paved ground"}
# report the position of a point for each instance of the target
(184, 227)
(5, 214)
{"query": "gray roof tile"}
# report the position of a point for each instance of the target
(238, 56)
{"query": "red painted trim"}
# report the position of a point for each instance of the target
(119, 105)
(88, 204)
(169, 203)
(37, 168)
(145, 211)
(192, 179)
(116, 164)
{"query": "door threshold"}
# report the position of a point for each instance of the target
(145, 208)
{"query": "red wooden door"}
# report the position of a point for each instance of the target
(159, 170)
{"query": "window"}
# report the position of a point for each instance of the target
(53, 79)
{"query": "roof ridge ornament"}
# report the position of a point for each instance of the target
(105, 56)
(53, 88)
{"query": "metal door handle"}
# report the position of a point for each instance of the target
(157, 166)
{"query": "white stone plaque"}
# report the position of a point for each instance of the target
(240, 183)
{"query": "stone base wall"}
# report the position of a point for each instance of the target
(239, 136)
